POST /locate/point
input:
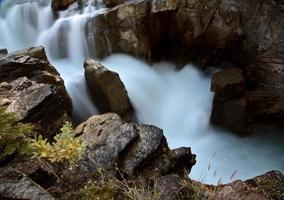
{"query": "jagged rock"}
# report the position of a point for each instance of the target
(33, 89)
(135, 149)
(107, 89)
(36, 103)
(61, 4)
(16, 185)
(264, 187)
(3, 53)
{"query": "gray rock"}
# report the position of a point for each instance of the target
(16, 185)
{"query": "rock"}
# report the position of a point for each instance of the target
(113, 3)
(172, 187)
(107, 89)
(133, 149)
(36, 103)
(228, 83)
(264, 187)
(185, 158)
(232, 114)
(16, 185)
(33, 89)
(61, 4)
(3, 53)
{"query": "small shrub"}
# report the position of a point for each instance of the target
(13, 134)
(66, 147)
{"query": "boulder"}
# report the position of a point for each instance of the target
(106, 89)
(16, 185)
(133, 149)
(32, 88)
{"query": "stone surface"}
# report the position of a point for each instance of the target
(16, 185)
(106, 89)
(172, 187)
(228, 83)
(134, 149)
(248, 33)
(33, 89)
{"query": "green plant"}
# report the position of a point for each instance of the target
(66, 147)
(13, 134)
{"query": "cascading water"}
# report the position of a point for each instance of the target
(178, 102)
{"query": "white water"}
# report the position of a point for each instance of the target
(178, 102)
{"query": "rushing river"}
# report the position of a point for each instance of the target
(179, 102)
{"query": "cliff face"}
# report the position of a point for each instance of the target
(244, 34)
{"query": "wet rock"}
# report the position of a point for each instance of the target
(16, 185)
(228, 83)
(106, 89)
(264, 187)
(33, 89)
(61, 4)
(3, 53)
(134, 149)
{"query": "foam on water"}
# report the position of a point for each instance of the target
(179, 102)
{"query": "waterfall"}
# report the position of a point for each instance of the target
(179, 102)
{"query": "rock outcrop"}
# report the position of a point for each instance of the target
(106, 89)
(248, 34)
(33, 89)
(264, 187)
(134, 149)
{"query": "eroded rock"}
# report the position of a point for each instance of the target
(107, 90)
(16, 185)
(61, 4)
(133, 149)
(32, 88)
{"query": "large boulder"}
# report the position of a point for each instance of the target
(133, 149)
(106, 89)
(32, 88)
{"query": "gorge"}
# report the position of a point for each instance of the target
(167, 81)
